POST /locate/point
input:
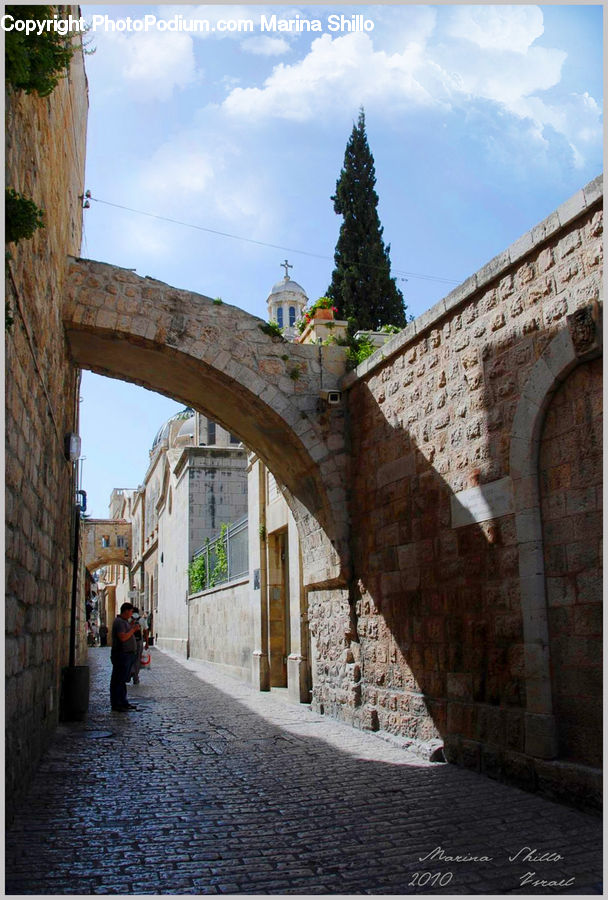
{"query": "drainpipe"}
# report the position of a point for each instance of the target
(75, 679)
(75, 565)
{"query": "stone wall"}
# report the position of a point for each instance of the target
(221, 625)
(45, 148)
(451, 623)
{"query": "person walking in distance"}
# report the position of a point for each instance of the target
(124, 648)
(145, 629)
(139, 646)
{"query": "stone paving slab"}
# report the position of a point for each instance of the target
(213, 788)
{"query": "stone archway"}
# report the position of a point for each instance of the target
(570, 467)
(107, 542)
(218, 360)
(579, 342)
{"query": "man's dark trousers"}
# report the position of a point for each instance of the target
(121, 672)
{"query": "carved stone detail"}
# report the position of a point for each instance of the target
(583, 329)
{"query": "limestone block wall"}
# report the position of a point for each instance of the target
(336, 662)
(221, 624)
(217, 491)
(44, 146)
(451, 615)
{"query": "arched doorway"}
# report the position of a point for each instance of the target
(570, 471)
(549, 495)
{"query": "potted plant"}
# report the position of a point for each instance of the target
(322, 308)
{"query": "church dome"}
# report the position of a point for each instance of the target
(164, 432)
(187, 429)
(287, 286)
(185, 435)
(286, 303)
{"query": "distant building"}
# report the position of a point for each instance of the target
(196, 481)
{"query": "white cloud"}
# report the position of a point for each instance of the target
(336, 72)
(265, 46)
(493, 59)
(174, 173)
(578, 118)
(504, 77)
(203, 181)
(149, 65)
(512, 28)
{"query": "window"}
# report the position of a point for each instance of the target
(210, 432)
(273, 491)
(234, 439)
(105, 541)
(292, 316)
(121, 541)
(280, 316)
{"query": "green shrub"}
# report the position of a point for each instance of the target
(34, 63)
(197, 573)
(22, 217)
(272, 329)
(358, 350)
(220, 569)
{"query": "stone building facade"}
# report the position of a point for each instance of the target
(44, 156)
(196, 480)
(255, 627)
(478, 571)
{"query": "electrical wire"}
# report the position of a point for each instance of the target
(403, 275)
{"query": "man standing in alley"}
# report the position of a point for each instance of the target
(124, 648)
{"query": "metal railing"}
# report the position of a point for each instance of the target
(223, 559)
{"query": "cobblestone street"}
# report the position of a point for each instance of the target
(210, 787)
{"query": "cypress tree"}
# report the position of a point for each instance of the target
(361, 286)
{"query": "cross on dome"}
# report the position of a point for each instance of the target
(286, 266)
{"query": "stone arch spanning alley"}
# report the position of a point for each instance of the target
(217, 359)
(103, 545)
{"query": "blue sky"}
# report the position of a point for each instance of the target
(481, 119)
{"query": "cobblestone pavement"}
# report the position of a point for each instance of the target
(210, 787)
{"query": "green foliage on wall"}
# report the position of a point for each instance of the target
(197, 573)
(358, 350)
(272, 329)
(215, 553)
(220, 569)
(35, 62)
(22, 217)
